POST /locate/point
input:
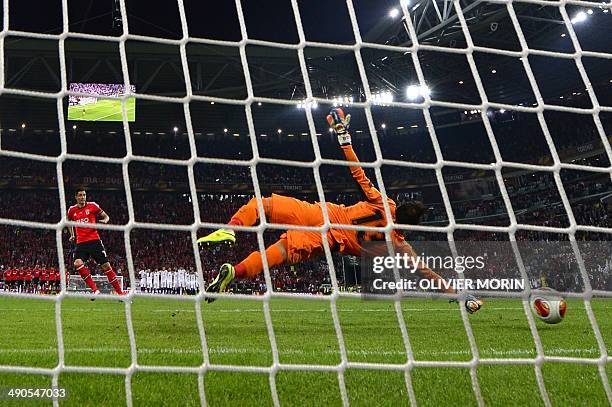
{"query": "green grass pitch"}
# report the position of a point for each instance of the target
(166, 331)
(106, 110)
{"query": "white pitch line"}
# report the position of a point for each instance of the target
(239, 310)
(246, 351)
(289, 310)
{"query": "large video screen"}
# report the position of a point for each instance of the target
(92, 108)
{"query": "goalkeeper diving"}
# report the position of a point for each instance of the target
(296, 246)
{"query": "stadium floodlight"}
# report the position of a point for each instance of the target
(382, 98)
(175, 129)
(414, 91)
(225, 130)
(493, 70)
(502, 110)
(279, 131)
(384, 126)
(579, 18)
(23, 125)
(74, 127)
(425, 91)
(258, 103)
(589, 11)
(393, 13)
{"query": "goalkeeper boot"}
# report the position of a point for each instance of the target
(222, 281)
(472, 304)
(218, 236)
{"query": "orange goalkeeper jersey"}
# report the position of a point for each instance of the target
(365, 213)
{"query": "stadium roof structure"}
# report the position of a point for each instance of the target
(216, 70)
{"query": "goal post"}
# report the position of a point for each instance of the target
(76, 284)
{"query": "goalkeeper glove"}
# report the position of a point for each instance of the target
(340, 124)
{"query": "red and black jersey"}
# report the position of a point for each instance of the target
(29, 275)
(87, 214)
(44, 275)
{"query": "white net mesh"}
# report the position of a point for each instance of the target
(438, 166)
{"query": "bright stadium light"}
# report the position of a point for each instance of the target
(414, 91)
(405, 3)
(384, 126)
(579, 18)
(258, 103)
(175, 129)
(74, 126)
(425, 91)
(224, 130)
(23, 126)
(589, 11)
(279, 131)
(382, 98)
(393, 13)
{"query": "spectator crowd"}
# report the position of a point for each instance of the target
(161, 194)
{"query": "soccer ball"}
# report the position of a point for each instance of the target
(549, 306)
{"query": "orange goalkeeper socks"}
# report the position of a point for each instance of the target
(253, 264)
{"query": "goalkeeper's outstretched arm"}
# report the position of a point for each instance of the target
(340, 123)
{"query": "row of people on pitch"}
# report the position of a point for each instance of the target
(168, 282)
(26, 280)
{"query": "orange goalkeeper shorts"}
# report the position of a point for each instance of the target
(301, 245)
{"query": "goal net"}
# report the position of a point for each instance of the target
(428, 37)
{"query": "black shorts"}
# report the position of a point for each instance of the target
(92, 249)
